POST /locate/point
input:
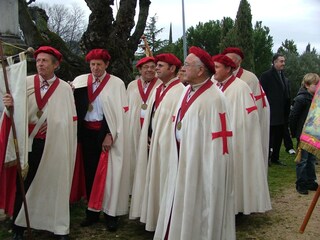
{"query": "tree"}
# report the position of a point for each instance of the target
(67, 23)
(227, 37)
(288, 46)
(119, 34)
(33, 23)
(244, 33)
(116, 34)
(263, 43)
(151, 33)
(206, 36)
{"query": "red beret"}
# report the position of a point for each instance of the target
(49, 50)
(204, 57)
(145, 60)
(98, 53)
(169, 58)
(220, 58)
(233, 50)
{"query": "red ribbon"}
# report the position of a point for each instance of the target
(228, 83)
(41, 102)
(158, 97)
(93, 95)
(186, 104)
(144, 96)
(239, 73)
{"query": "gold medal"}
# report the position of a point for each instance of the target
(90, 107)
(39, 114)
(144, 106)
(179, 125)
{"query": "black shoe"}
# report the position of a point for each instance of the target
(278, 162)
(62, 237)
(302, 190)
(312, 186)
(112, 223)
(88, 222)
(17, 236)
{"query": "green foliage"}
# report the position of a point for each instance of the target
(228, 36)
(288, 46)
(244, 33)
(263, 43)
(206, 36)
(299, 65)
(151, 33)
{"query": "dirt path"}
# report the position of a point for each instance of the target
(285, 219)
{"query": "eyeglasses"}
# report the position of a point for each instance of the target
(146, 67)
(190, 65)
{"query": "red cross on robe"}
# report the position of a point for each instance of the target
(254, 107)
(261, 96)
(223, 133)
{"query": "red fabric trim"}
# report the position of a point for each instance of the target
(228, 83)
(97, 192)
(78, 187)
(75, 118)
(145, 96)
(240, 72)
(141, 121)
(126, 109)
(93, 125)
(41, 102)
(7, 175)
(160, 97)
(93, 95)
(186, 104)
(38, 135)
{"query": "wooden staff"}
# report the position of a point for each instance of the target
(147, 49)
(310, 210)
(15, 140)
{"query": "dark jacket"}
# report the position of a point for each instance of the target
(299, 112)
(278, 94)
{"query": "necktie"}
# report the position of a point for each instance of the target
(220, 85)
(44, 85)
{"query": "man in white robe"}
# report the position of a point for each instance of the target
(102, 107)
(52, 141)
(199, 201)
(259, 96)
(151, 170)
(139, 94)
(251, 186)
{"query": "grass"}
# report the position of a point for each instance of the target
(279, 179)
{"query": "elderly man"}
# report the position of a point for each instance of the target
(152, 165)
(139, 95)
(259, 96)
(251, 187)
(102, 106)
(199, 202)
(52, 155)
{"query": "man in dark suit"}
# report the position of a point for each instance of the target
(276, 87)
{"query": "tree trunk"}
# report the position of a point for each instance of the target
(38, 34)
(115, 34)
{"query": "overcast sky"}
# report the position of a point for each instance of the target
(297, 20)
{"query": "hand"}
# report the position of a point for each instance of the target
(7, 100)
(43, 128)
(107, 143)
